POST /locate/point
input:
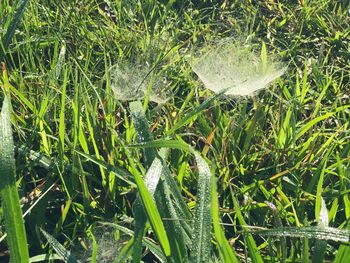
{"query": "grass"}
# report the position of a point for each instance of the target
(198, 177)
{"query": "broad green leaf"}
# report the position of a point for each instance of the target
(165, 204)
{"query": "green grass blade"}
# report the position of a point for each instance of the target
(151, 181)
(150, 209)
(142, 130)
(313, 232)
(193, 114)
(321, 245)
(278, 223)
(252, 248)
(174, 144)
(311, 123)
(10, 32)
(263, 56)
(201, 243)
(176, 227)
(125, 252)
(44, 258)
(122, 174)
(305, 255)
(139, 229)
(343, 253)
(226, 252)
(14, 224)
(62, 126)
(172, 196)
(66, 256)
(152, 176)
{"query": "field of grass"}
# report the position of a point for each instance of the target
(122, 154)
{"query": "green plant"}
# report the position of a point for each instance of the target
(14, 224)
(79, 149)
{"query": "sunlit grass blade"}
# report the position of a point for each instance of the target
(201, 243)
(62, 123)
(175, 144)
(56, 72)
(311, 123)
(44, 258)
(11, 208)
(60, 250)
